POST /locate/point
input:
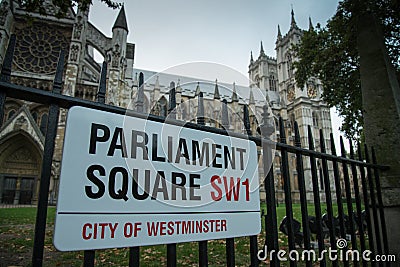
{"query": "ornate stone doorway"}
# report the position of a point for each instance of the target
(20, 159)
(18, 190)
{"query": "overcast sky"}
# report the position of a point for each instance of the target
(174, 32)
(167, 33)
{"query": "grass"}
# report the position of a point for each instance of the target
(16, 242)
(16, 235)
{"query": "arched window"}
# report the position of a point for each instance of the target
(257, 81)
(95, 54)
(289, 66)
(315, 119)
(276, 121)
(272, 83)
(163, 106)
(10, 113)
(292, 120)
(43, 123)
(35, 116)
(183, 111)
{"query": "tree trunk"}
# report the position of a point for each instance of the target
(381, 110)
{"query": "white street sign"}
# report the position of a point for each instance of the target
(127, 181)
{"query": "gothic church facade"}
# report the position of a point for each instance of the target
(39, 42)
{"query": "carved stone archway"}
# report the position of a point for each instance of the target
(20, 159)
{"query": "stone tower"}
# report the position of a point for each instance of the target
(302, 104)
(263, 72)
(76, 52)
(116, 57)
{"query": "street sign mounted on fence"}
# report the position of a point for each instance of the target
(127, 181)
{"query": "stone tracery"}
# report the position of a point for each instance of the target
(38, 48)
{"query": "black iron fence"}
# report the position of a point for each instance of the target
(363, 224)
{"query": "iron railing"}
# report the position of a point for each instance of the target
(364, 173)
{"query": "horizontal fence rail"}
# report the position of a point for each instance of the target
(64, 101)
(352, 180)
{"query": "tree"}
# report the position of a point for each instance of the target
(63, 5)
(330, 53)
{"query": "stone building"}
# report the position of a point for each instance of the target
(39, 41)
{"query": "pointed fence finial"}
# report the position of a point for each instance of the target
(197, 89)
(101, 94)
(342, 149)
(225, 116)
(172, 101)
(216, 90)
(322, 141)
(57, 83)
(140, 94)
(310, 138)
(246, 120)
(297, 140)
(333, 146)
(200, 110)
(234, 94)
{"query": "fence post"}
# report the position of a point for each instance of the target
(303, 193)
(349, 201)
(253, 239)
(366, 201)
(49, 143)
(134, 252)
(317, 201)
(230, 252)
(271, 236)
(246, 120)
(377, 236)
(139, 103)
(230, 242)
(203, 254)
(200, 110)
(171, 248)
(361, 229)
(287, 189)
(89, 255)
(6, 73)
(101, 94)
(380, 203)
(172, 101)
(338, 188)
(328, 196)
